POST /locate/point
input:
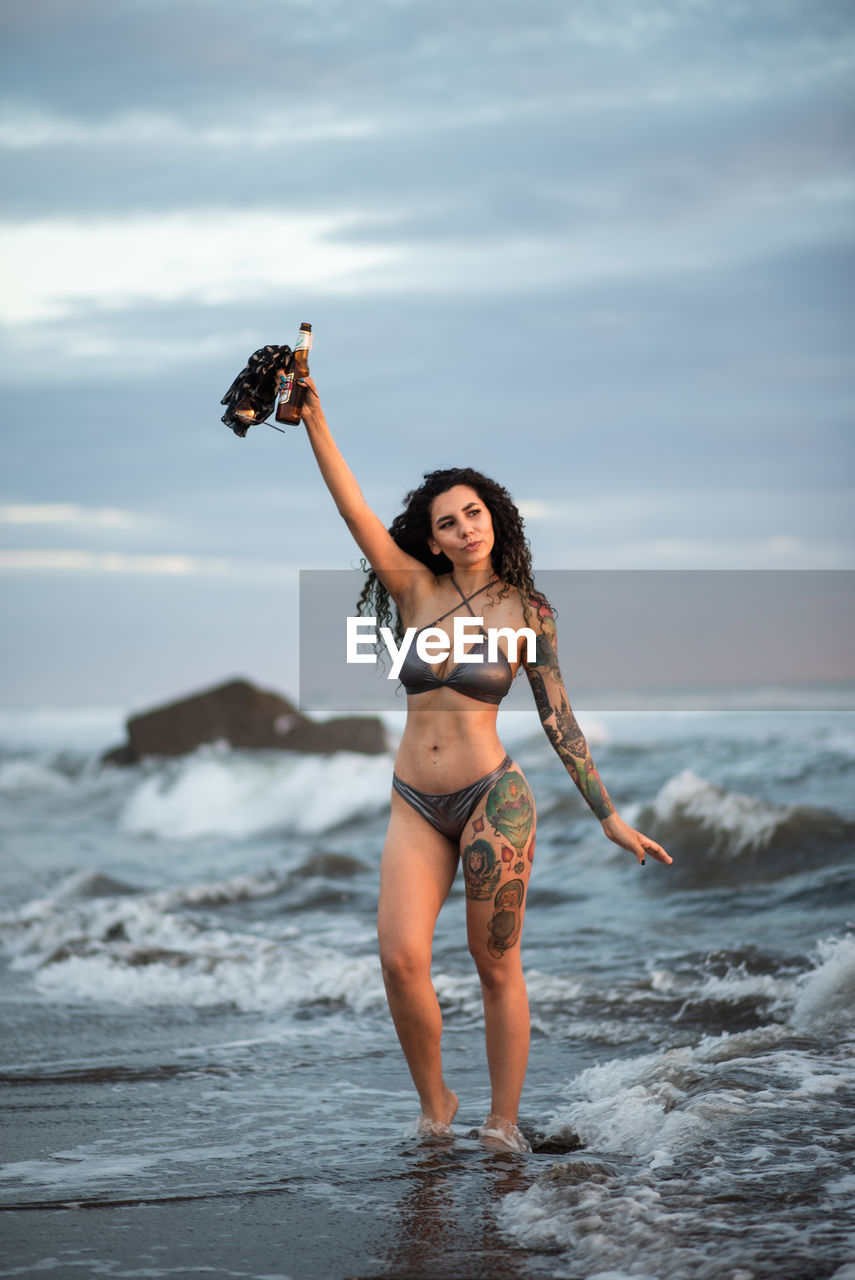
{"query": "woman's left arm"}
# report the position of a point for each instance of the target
(562, 730)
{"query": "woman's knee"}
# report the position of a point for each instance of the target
(403, 962)
(496, 973)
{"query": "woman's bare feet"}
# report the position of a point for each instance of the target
(439, 1125)
(502, 1135)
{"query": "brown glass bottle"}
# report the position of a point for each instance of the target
(291, 394)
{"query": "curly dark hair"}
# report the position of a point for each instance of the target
(411, 529)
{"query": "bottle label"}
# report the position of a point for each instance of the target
(304, 341)
(286, 382)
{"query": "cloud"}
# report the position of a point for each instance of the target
(213, 256)
(536, 509)
(69, 513)
(33, 129)
(778, 551)
(210, 58)
(479, 148)
(58, 268)
(170, 566)
(660, 529)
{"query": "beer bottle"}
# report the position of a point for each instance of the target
(291, 394)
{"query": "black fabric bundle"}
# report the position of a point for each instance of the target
(255, 387)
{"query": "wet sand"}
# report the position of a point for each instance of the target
(412, 1225)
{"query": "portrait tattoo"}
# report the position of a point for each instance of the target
(506, 924)
(481, 869)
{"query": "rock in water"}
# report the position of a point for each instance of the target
(246, 717)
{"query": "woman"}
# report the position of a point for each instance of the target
(459, 549)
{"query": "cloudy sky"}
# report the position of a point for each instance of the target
(600, 249)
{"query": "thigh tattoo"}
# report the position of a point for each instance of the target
(510, 812)
(482, 870)
(504, 928)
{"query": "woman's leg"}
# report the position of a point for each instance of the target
(416, 874)
(497, 847)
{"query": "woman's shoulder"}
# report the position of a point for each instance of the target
(529, 606)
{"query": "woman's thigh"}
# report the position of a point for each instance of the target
(416, 873)
(497, 848)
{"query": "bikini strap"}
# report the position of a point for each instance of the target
(465, 599)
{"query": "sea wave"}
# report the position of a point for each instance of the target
(24, 777)
(721, 837)
(276, 976)
(242, 794)
(720, 993)
(141, 950)
(101, 940)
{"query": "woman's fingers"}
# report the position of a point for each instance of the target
(311, 403)
(655, 850)
(635, 842)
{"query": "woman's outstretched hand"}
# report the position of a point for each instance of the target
(635, 841)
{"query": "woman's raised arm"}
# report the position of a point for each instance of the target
(398, 571)
(562, 730)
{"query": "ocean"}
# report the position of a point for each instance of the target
(200, 1077)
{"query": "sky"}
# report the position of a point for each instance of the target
(600, 250)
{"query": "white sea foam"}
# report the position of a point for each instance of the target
(264, 978)
(647, 1122)
(655, 1106)
(31, 777)
(241, 795)
(143, 949)
(736, 986)
(667, 1131)
(71, 1168)
(164, 959)
(825, 997)
(842, 1186)
(553, 988)
(460, 993)
(78, 1167)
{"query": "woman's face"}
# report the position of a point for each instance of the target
(461, 528)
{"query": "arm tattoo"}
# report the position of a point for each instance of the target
(562, 728)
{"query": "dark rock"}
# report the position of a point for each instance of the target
(245, 717)
(566, 1173)
(554, 1145)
